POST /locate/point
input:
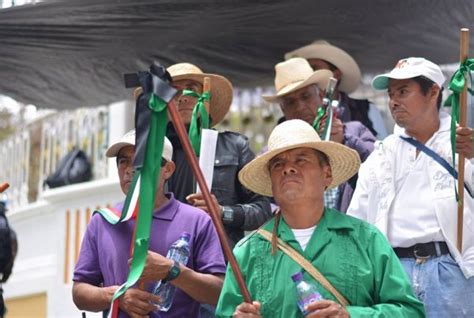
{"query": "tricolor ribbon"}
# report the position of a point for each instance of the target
(150, 121)
(326, 109)
(456, 85)
(199, 119)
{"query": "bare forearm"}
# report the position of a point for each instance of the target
(204, 288)
(92, 298)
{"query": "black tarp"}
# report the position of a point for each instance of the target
(66, 54)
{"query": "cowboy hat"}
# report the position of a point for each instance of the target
(294, 74)
(341, 59)
(129, 140)
(292, 134)
(221, 88)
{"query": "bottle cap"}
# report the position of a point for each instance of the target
(185, 235)
(297, 277)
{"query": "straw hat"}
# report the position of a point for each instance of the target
(129, 140)
(341, 59)
(293, 134)
(221, 88)
(294, 74)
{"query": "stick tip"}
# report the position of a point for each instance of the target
(464, 30)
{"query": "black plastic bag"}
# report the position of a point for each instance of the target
(75, 167)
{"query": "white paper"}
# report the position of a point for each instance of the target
(208, 156)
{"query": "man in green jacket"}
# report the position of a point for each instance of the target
(353, 256)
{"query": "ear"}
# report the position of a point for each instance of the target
(434, 92)
(167, 170)
(327, 175)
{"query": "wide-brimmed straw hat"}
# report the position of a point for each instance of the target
(221, 88)
(294, 74)
(129, 140)
(292, 134)
(323, 50)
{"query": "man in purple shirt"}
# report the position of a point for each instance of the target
(299, 91)
(103, 261)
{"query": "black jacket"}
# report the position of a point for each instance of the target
(250, 210)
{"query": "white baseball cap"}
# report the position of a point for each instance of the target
(409, 68)
(129, 140)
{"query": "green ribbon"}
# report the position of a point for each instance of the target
(456, 85)
(149, 172)
(317, 121)
(199, 120)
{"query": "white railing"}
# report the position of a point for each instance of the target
(14, 162)
(31, 154)
(86, 129)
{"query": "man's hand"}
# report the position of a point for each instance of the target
(137, 303)
(337, 129)
(246, 310)
(326, 308)
(156, 268)
(197, 200)
(465, 142)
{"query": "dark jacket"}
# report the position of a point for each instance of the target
(250, 210)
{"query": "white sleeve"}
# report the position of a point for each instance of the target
(359, 205)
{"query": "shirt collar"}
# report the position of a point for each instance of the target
(166, 212)
(444, 125)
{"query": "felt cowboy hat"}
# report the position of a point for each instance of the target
(294, 74)
(221, 88)
(341, 59)
(292, 134)
(129, 140)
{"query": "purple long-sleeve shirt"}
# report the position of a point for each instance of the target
(105, 250)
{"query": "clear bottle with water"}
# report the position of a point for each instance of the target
(179, 251)
(306, 293)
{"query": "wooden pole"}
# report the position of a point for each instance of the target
(206, 88)
(462, 122)
(214, 213)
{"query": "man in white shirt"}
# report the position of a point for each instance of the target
(410, 196)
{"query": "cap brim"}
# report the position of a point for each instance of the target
(344, 162)
(113, 150)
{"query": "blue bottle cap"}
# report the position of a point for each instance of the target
(297, 277)
(186, 236)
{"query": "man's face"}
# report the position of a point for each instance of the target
(302, 104)
(125, 167)
(186, 104)
(408, 105)
(298, 174)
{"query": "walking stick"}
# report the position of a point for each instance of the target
(464, 51)
(192, 160)
(4, 186)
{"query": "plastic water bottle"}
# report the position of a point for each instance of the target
(306, 292)
(179, 251)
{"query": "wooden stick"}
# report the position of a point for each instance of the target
(214, 213)
(462, 122)
(4, 186)
(207, 88)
